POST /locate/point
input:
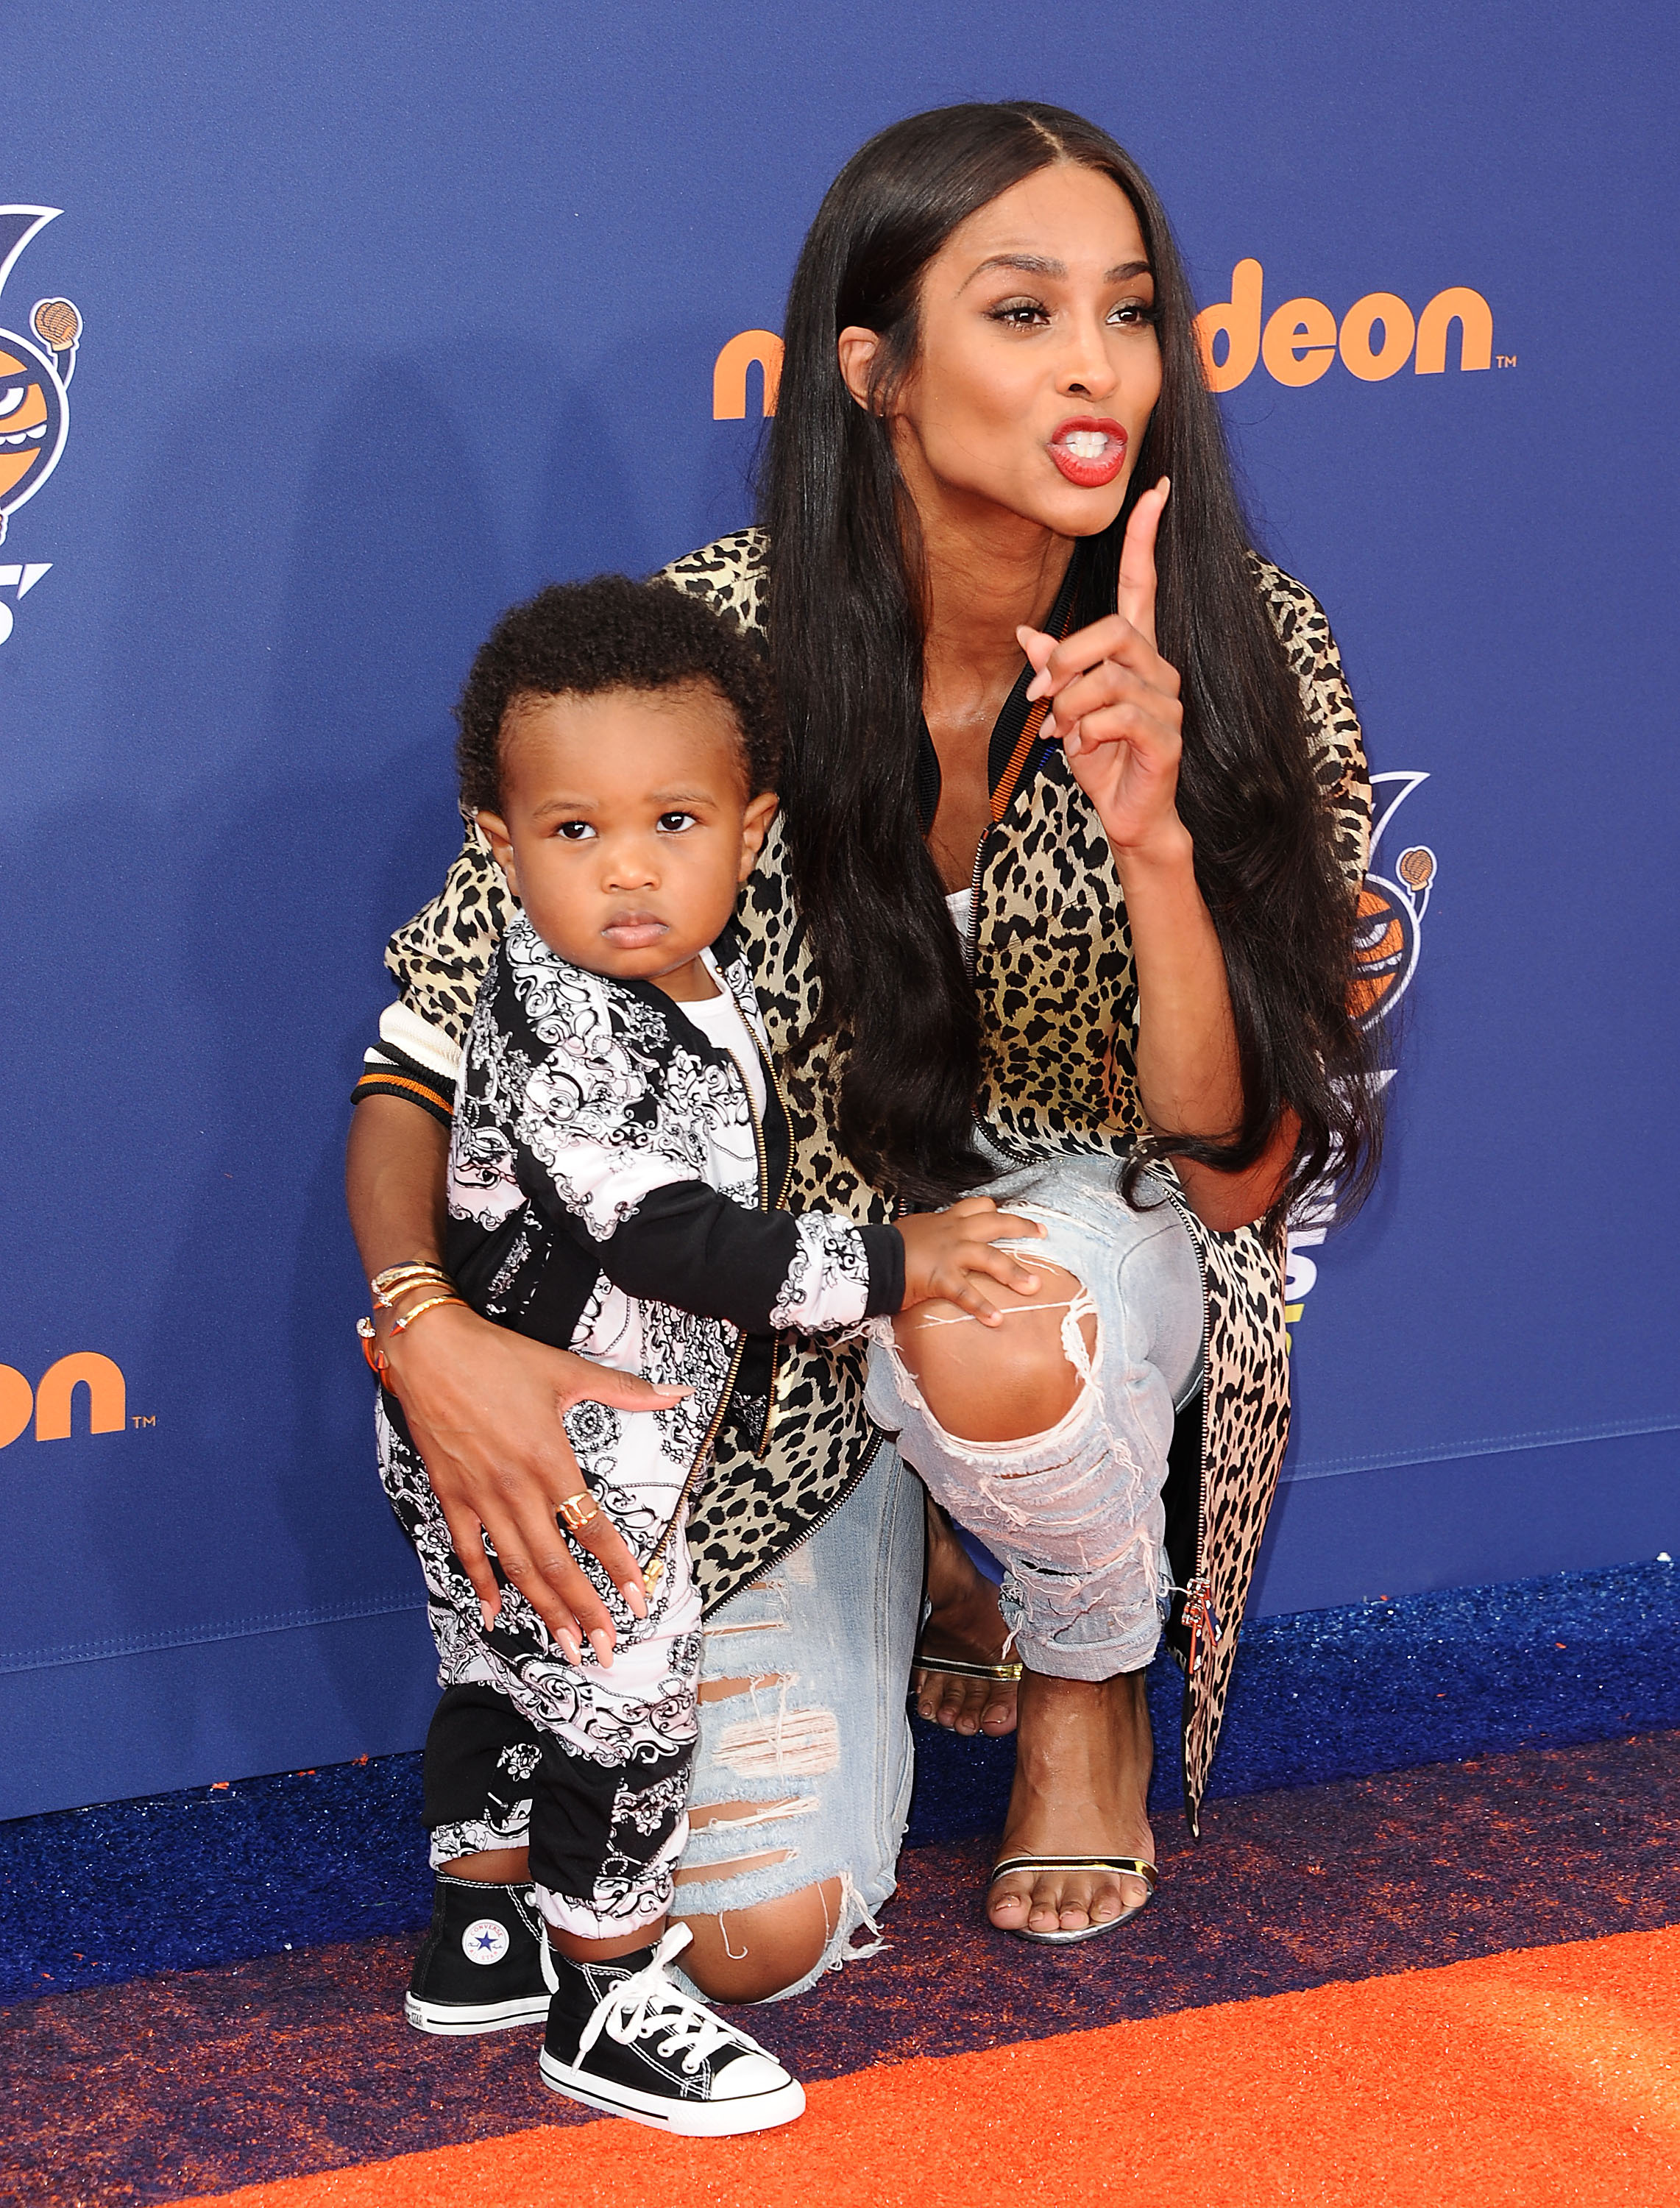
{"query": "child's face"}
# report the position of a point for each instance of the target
(627, 828)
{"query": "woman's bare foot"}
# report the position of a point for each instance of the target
(967, 1623)
(1081, 1782)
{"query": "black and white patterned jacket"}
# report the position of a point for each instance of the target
(612, 1191)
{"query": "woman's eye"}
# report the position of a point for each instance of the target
(1133, 314)
(1019, 313)
(673, 824)
(574, 831)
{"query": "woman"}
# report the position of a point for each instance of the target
(1030, 667)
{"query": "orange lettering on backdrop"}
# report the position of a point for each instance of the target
(17, 1400)
(728, 377)
(107, 1395)
(1300, 343)
(1237, 321)
(1356, 325)
(1474, 318)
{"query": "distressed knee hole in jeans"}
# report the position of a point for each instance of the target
(1074, 1511)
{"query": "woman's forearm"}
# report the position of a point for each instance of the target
(394, 1168)
(1189, 1071)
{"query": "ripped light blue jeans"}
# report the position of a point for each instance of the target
(805, 1739)
(1074, 1515)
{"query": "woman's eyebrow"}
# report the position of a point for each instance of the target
(1036, 264)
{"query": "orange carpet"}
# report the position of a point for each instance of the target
(1547, 2077)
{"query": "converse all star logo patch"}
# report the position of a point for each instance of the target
(485, 1941)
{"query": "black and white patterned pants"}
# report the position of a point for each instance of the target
(589, 1766)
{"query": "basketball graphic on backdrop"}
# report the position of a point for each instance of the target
(35, 372)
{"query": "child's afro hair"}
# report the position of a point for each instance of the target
(609, 633)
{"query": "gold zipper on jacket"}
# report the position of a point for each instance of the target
(655, 1570)
(766, 1205)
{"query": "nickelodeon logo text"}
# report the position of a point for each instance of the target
(52, 1402)
(1299, 340)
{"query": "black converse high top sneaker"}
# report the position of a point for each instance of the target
(480, 1966)
(622, 2037)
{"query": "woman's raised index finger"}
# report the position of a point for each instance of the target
(1135, 598)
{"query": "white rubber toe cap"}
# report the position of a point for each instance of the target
(749, 2075)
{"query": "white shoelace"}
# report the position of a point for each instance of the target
(646, 2001)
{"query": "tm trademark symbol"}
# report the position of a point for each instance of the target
(1504, 360)
(144, 1422)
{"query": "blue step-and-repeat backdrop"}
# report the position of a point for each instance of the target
(326, 334)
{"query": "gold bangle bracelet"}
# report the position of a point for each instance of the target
(386, 1288)
(391, 1297)
(403, 1324)
(420, 1269)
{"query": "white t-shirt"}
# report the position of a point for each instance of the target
(960, 904)
(719, 1019)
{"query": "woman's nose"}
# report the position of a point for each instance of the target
(1085, 369)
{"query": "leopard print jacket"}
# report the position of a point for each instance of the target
(1058, 1000)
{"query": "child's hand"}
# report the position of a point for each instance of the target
(948, 1253)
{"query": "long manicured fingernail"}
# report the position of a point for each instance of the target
(569, 1648)
(635, 1599)
(601, 1640)
(1039, 685)
(1073, 743)
(486, 1617)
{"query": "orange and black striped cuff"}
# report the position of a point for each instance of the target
(416, 1086)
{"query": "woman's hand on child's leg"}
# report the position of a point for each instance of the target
(948, 1253)
(485, 1405)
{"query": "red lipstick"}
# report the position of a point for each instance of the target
(1089, 449)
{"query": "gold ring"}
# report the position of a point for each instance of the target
(580, 1510)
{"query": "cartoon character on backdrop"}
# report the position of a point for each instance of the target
(35, 373)
(1387, 936)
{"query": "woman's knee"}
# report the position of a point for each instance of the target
(753, 1954)
(1004, 1383)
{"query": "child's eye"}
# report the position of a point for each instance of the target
(673, 824)
(574, 831)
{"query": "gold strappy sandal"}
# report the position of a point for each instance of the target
(957, 1667)
(1126, 1866)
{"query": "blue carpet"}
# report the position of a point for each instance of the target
(92, 1897)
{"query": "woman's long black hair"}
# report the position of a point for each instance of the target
(845, 632)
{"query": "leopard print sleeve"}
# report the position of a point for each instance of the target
(439, 959)
(1304, 631)
(729, 575)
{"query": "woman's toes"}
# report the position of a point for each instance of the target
(1052, 1909)
(998, 1718)
(1008, 1906)
(959, 1705)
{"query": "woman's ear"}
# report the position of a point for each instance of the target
(754, 827)
(857, 349)
(501, 845)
